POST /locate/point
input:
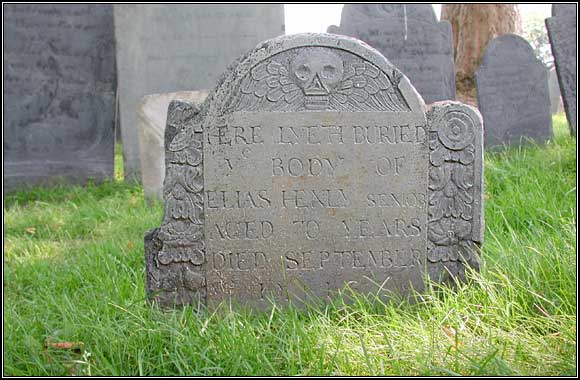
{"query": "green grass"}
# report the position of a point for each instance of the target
(74, 272)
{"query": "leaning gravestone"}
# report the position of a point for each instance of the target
(152, 117)
(562, 33)
(513, 94)
(59, 94)
(410, 36)
(312, 165)
(178, 47)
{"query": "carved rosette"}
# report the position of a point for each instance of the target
(175, 265)
(455, 188)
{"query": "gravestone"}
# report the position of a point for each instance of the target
(556, 105)
(562, 33)
(59, 94)
(152, 116)
(513, 94)
(311, 166)
(410, 36)
(178, 47)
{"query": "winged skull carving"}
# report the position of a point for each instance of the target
(319, 80)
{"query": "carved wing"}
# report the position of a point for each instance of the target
(268, 87)
(367, 88)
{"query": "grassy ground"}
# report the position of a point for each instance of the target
(74, 293)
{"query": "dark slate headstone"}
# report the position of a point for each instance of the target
(59, 93)
(311, 166)
(513, 93)
(410, 36)
(562, 33)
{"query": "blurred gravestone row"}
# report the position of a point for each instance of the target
(79, 77)
(168, 48)
(73, 72)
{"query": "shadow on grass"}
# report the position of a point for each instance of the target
(62, 193)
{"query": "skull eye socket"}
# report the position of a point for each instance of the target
(303, 72)
(328, 71)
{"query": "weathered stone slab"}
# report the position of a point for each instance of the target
(314, 165)
(410, 36)
(513, 94)
(178, 47)
(562, 33)
(59, 94)
(152, 118)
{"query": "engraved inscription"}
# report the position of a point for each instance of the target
(324, 199)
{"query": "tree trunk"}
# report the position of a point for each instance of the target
(474, 26)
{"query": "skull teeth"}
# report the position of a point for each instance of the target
(316, 102)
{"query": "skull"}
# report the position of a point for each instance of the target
(317, 73)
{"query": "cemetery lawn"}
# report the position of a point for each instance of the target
(74, 298)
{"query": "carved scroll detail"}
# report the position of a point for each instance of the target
(455, 186)
(178, 277)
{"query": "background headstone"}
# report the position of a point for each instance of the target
(315, 165)
(556, 105)
(562, 31)
(410, 36)
(59, 94)
(152, 118)
(178, 47)
(512, 93)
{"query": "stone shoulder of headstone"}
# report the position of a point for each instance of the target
(231, 228)
(564, 10)
(365, 12)
(507, 47)
(513, 94)
(333, 29)
(151, 124)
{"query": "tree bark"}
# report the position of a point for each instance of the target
(474, 26)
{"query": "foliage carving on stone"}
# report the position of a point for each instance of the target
(453, 183)
(181, 247)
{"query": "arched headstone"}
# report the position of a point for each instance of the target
(312, 165)
(512, 93)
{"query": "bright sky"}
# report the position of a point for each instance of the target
(301, 18)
